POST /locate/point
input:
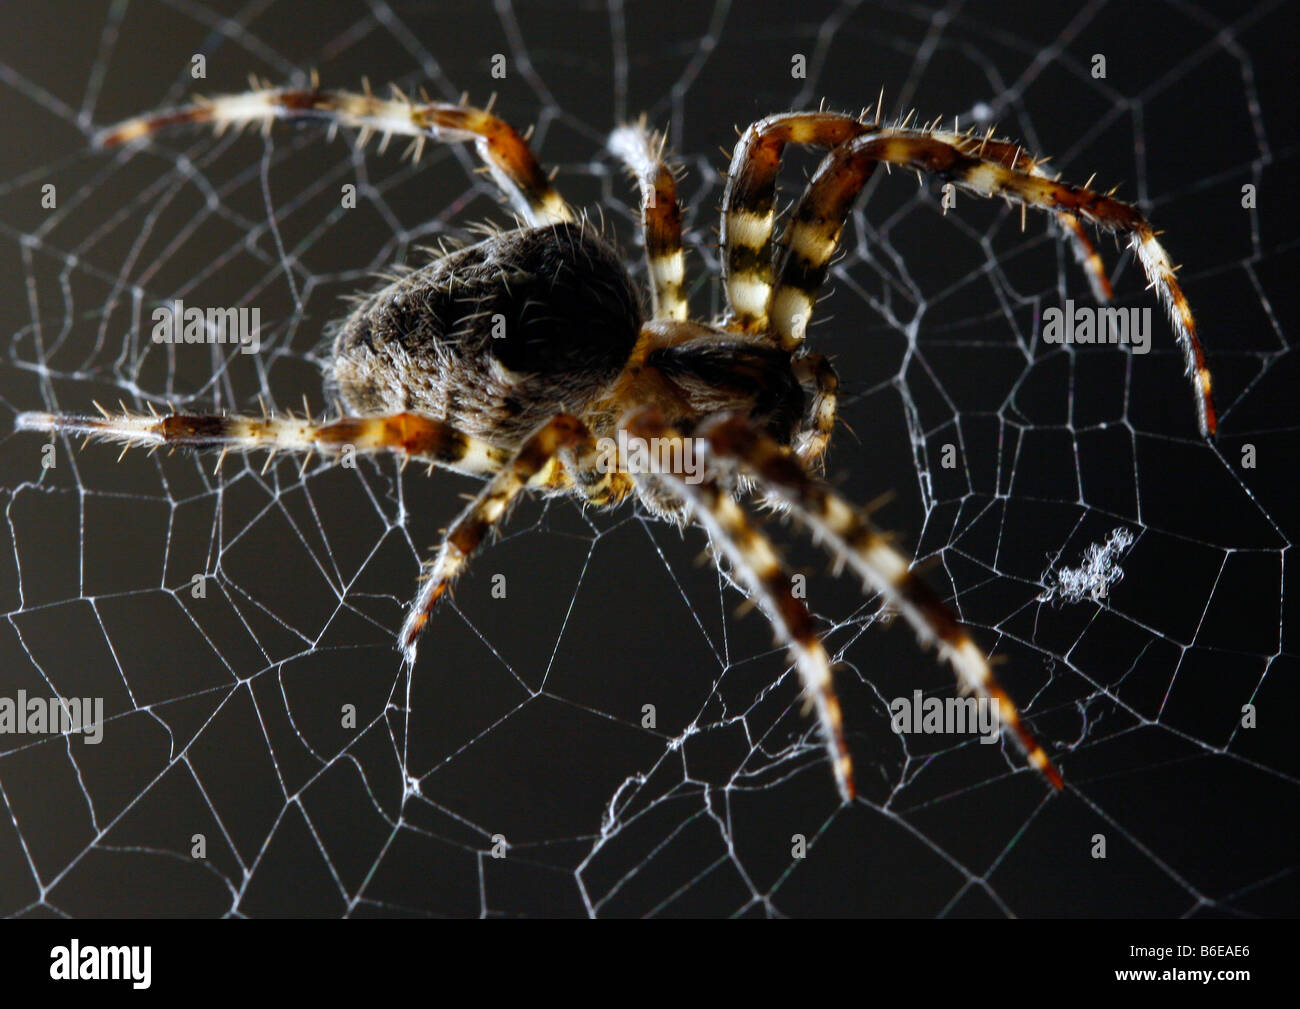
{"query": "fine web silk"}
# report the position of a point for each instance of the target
(996, 537)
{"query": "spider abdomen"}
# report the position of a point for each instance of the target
(495, 338)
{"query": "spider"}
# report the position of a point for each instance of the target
(522, 358)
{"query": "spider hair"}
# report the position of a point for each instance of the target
(421, 372)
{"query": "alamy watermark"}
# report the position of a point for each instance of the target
(179, 323)
(959, 716)
(630, 454)
(1084, 324)
(75, 962)
(23, 715)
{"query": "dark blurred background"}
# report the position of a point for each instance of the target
(524, 716)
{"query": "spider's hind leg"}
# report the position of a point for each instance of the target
(733, 441)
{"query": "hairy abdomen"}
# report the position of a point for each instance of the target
(495, 338)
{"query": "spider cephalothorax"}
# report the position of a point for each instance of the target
(528, 358)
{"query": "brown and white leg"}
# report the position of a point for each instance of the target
(538, 462)
(813, 438)
(1011, 155)
(817, 223)
(755, 562)
(733, 441)
(506, 154)
(641, 151)
(405, 434)
(749, 204)
(810, 240)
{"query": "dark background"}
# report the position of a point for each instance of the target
(523, 717)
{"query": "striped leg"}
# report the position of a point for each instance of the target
(661, 217)
(755, 561)
(815, 434)
(749, 203)
(806, 247)
(511, 163)
(816, 225)
(733, 440)
(1010, 155)
(538, 462)
(406, 434)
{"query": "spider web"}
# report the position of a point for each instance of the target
(1131, 580)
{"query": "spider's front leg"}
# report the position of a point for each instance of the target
(538, 462)
(755, 561)
(733, 440)
(748, 219)
(749, 204)
(983, 167)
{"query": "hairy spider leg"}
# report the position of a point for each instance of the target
(789, 253)
(749, 204)
(1013, 155)
(748, 218)
(811, 441)
(845, 528)
(538, 462)
(506, 154)
(818, 221)
(407, 434)
(755, 561)
(642, 152)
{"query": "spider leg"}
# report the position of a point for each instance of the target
(538, 462)
(1085, 254)
(812, 438)
(506, 154)
(407, 434)
(817, 223)
(756, 562)
(641, 151)
(1012, 155)
(749, 204)
(733, 439)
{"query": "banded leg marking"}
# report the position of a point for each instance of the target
(749, 203)
(1011, 155)
(756, 562)
(811, 240)
(535, 464)
(506, 154)
(815, 228)
(734, 440)
(407, 434)
(641, 151)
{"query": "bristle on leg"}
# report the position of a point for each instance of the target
(406, 434)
